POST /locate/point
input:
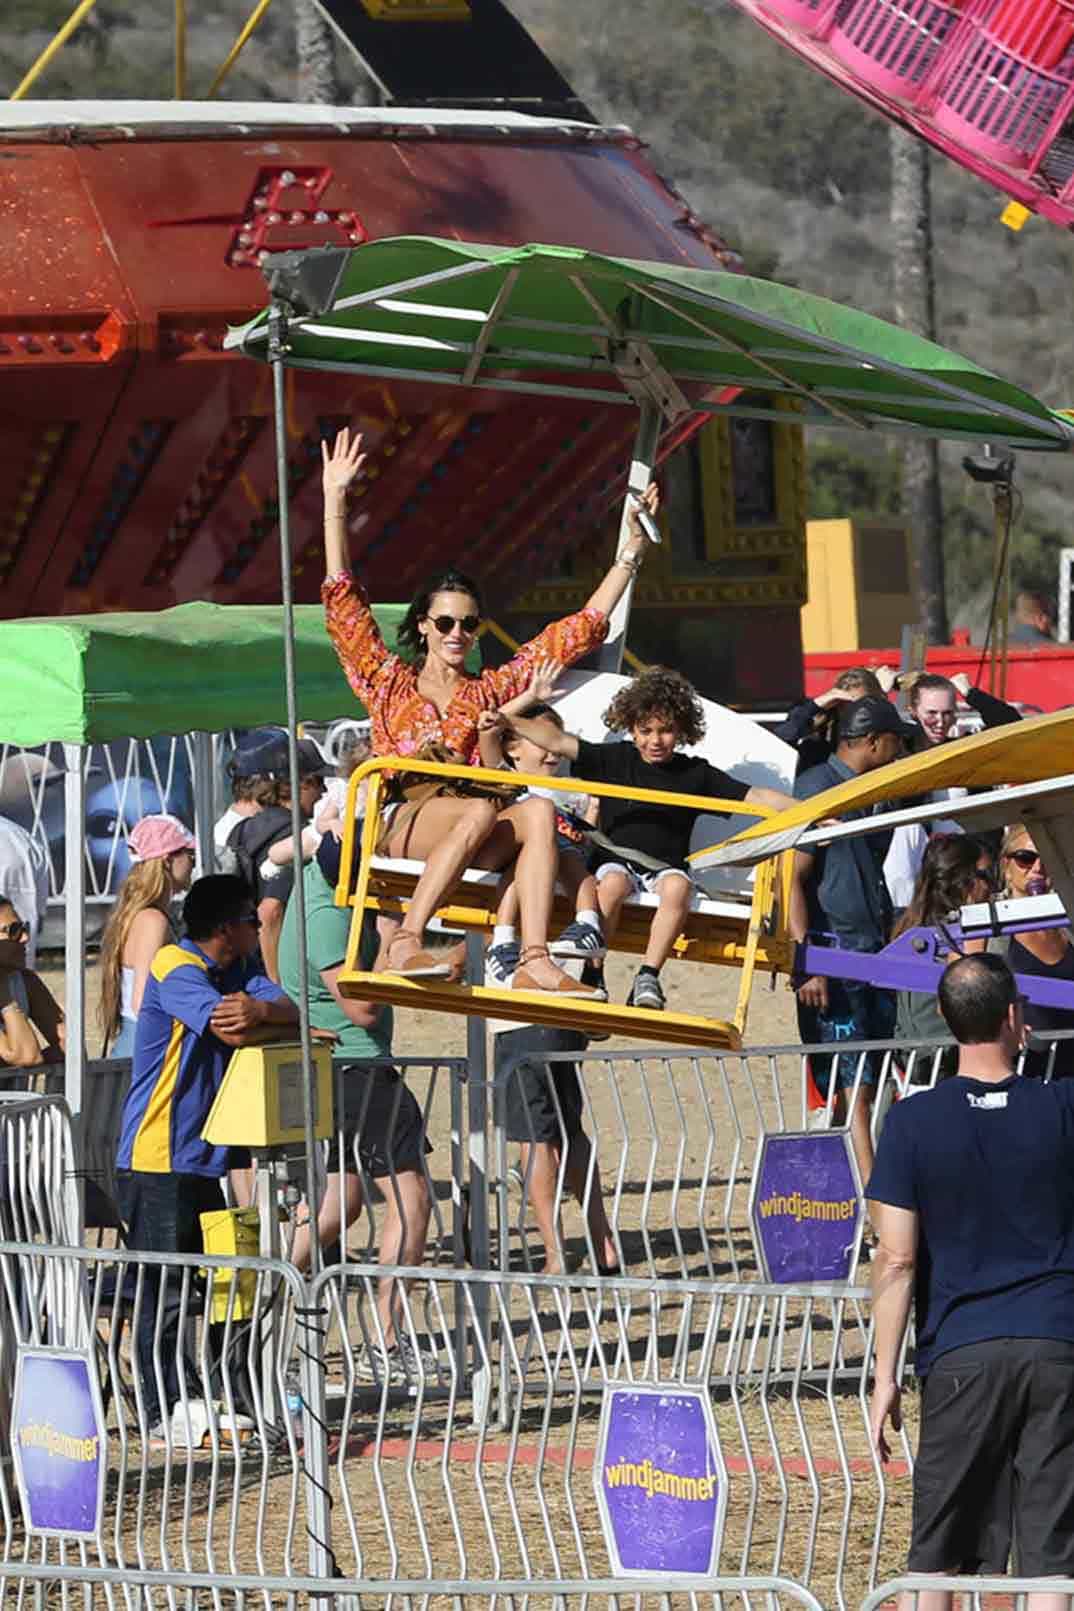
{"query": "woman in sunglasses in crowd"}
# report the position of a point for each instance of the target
(1045, 952)
(31, 1020)
(423, 701)
(955, 871)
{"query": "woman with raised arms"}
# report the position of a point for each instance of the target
(423, 701)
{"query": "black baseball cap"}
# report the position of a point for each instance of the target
(868, 717)
(270, 760)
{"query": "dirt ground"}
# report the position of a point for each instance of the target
(428, 1494)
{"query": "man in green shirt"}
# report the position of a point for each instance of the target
(383, 1128)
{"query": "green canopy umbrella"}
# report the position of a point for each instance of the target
(87, 679)
(560, 321)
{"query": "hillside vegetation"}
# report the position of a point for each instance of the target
(786, 167)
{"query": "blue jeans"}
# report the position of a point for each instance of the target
(855, 1012)
(162, 1216)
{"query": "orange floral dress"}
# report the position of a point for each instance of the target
(404, 722)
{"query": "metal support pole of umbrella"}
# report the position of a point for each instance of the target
(646, 441)
(313, 1320)
(74, 960)
(278, 317)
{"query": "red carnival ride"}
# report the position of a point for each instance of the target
(138, 454)
(988, 82)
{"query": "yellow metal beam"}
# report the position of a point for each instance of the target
(180, 50)
(54, 46)
(540, 1007)
(248, 28)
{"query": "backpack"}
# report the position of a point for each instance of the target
(248, 842)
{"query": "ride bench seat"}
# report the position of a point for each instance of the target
(718, 930)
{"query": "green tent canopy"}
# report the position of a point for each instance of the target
(559, 321)
(87, 679)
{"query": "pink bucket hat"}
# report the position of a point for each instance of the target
(162, 835)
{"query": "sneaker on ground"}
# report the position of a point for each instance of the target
(501, 963)
(646, 991)
(192, 1426)
(580, 940)
(405, 1365)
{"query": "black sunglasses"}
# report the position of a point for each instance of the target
(248, 917)
(1025, 858)
(15, 931)
(444, 623)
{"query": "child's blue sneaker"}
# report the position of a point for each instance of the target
(580, 940)
(501, 963)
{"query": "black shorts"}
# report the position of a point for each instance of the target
(995, 1464)
(542, 1101)
(383, 1127)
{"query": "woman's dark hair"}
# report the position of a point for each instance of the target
(658, 692)
(409, 641)
(944, 881)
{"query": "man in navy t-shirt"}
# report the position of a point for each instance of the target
(972, 1201)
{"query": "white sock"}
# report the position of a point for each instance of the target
(592, 918)
(504, 934)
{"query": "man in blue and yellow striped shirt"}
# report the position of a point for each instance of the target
(203, 997)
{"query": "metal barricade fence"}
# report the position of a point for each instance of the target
(676, 1143)
(391, 1116)
(980, 1593)
(427, 1482)
(226, 1481)
(38, 1199)
(327, 1594)
(125, 780)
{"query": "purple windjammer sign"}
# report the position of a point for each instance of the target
(659, 1481)
(57, 1440)
(806, 1207)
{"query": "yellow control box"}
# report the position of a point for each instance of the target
(232, 1233)
(259, 1103)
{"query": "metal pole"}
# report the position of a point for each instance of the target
(204, 803)
(54, 46)
(477, 1076)
(313, 1321)
(74, 890)
(277, 349)
(74, 960)
(646, 442)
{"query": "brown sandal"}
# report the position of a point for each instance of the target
(564, 985)
(422, 965)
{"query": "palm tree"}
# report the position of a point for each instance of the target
(915, 309)
(317, 78)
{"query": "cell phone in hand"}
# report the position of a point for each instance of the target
(646, 521)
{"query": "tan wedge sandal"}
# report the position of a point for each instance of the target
(564, 985)
(422, 965)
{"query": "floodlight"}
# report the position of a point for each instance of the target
(307, 281)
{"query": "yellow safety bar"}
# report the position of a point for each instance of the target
(756, 939)
(495, 630)
(53, 48)
(82, 11)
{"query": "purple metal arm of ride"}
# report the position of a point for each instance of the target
(918, 957)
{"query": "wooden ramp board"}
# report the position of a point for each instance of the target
(537, 1007)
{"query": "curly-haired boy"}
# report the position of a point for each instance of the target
(646, 843)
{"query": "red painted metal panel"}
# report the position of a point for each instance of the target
(136, 252)
(1041, 678)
